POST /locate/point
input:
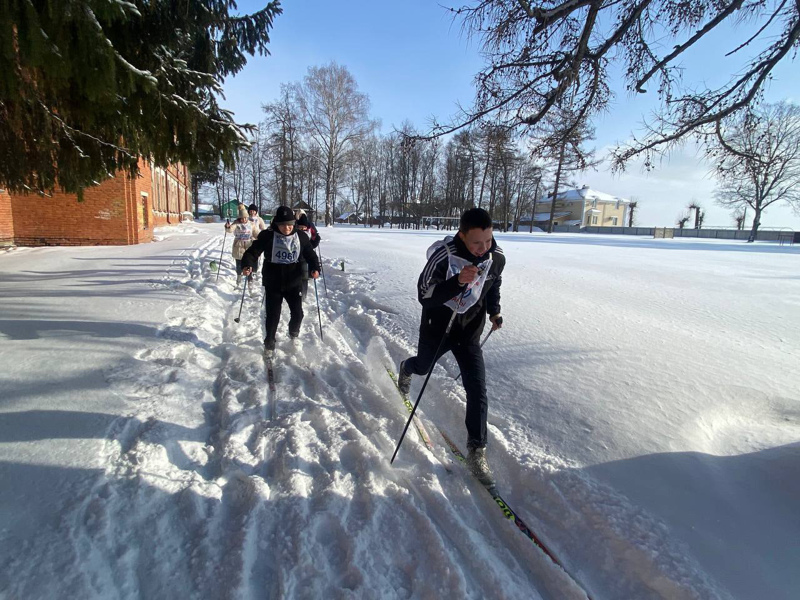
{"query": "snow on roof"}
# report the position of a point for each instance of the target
(347, 215)
(585, 193)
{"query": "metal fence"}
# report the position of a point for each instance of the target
(763, 235)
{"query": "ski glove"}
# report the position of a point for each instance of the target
(497, 322)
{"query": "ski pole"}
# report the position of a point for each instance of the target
(491, 331)
(428, 376)
(319, 314)
(321, 270)
(244, 289)
(221, 250)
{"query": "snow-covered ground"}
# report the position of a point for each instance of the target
(644, 421)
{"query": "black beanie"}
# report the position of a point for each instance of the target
(303, 220)
(252, 207)
(284, 215)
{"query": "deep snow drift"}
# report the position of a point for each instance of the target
(644, 421)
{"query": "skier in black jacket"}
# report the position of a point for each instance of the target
(282, 274)
(463, 274)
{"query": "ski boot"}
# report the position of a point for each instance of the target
(403, 380)
(477, 463)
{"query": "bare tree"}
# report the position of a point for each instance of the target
(538, 179)
(632, 206)
(258, 164)
(698, 213)
(458, 174)
(286, 146)
(682, 220)
(758, 159)
(335, 116)
(529, 177)
(539, 53)
(367, 166)
(561, 142)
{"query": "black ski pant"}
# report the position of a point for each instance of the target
(304, 266)
(274, 301)
(469, 357)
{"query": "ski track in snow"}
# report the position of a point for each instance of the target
(203, 496)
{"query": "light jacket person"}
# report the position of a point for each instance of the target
(256, 222)
(242, 231)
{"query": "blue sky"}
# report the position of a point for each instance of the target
(414, 62)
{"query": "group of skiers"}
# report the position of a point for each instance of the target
(245, 230)
(289, 260)
(458, 288)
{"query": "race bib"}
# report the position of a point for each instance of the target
(474, 289)
(242, 232)
(285, 249)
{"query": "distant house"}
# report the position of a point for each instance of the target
(204, 209)
(306, 207)
(580, 206)
(120, 210)
(349, 217)
(230, 209)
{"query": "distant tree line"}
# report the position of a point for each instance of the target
(318, 146)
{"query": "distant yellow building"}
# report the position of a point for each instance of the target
(582, 206)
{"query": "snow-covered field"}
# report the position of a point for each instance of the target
(644, 421)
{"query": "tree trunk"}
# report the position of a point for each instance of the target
(492, 192)
(533, 208)
(483, 182)
(328, 191)
(196, 194)
(756, 223)
(555, 191)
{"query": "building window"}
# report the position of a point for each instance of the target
(613, 220)
(145, 212)
(594, 220)
(594, 203)
(159, 191)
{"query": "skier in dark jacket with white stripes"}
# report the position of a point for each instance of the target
(463, 274)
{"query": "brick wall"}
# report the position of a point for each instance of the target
(118, 211)
(60, 220)
(6, 222)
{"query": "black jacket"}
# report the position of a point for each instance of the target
(434, 289)
(278, 276)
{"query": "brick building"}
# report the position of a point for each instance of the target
(121, 210)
